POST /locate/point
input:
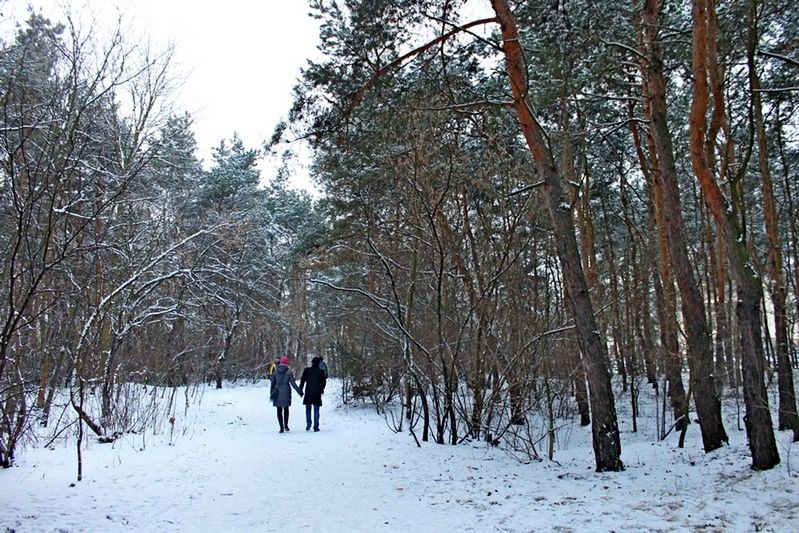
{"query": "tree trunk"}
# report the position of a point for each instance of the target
(667, 297)
(787, 418)
(718, 281)
(585, 221)
(580, 391)
(700, 355)
(788, 201)
(666, 302)
(616, 328)
(759, 428)
(605, 431)
(671, 351)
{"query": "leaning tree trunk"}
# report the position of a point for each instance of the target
(665, 296)
(700, 354)
(759, 428)
(607, 446)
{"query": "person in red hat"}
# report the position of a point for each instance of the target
(282, 382)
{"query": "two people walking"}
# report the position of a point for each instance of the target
(282, 381)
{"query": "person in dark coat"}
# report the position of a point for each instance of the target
(313, 383)
(282, 381)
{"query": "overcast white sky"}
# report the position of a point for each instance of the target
(239, 59)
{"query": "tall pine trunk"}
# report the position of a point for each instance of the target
(787, 417)
(665, 297)
(700, 354)
(788, 200)
(759, 428)
(605, 431)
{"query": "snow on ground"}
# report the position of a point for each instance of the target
(233, 472)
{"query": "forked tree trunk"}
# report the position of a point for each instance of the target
(759, 428)
(605, 431)
(700, 354)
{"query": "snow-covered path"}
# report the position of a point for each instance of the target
(234, 472)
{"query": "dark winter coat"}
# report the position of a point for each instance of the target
(313, 382)
(282, 382)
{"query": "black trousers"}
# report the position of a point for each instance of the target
(283, 417)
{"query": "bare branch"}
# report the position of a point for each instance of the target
(527, 188)
(625, 47)
(776, 90)
(790, 61)
(358, 96)
(468, 105)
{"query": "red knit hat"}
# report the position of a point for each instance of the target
(284, 360)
